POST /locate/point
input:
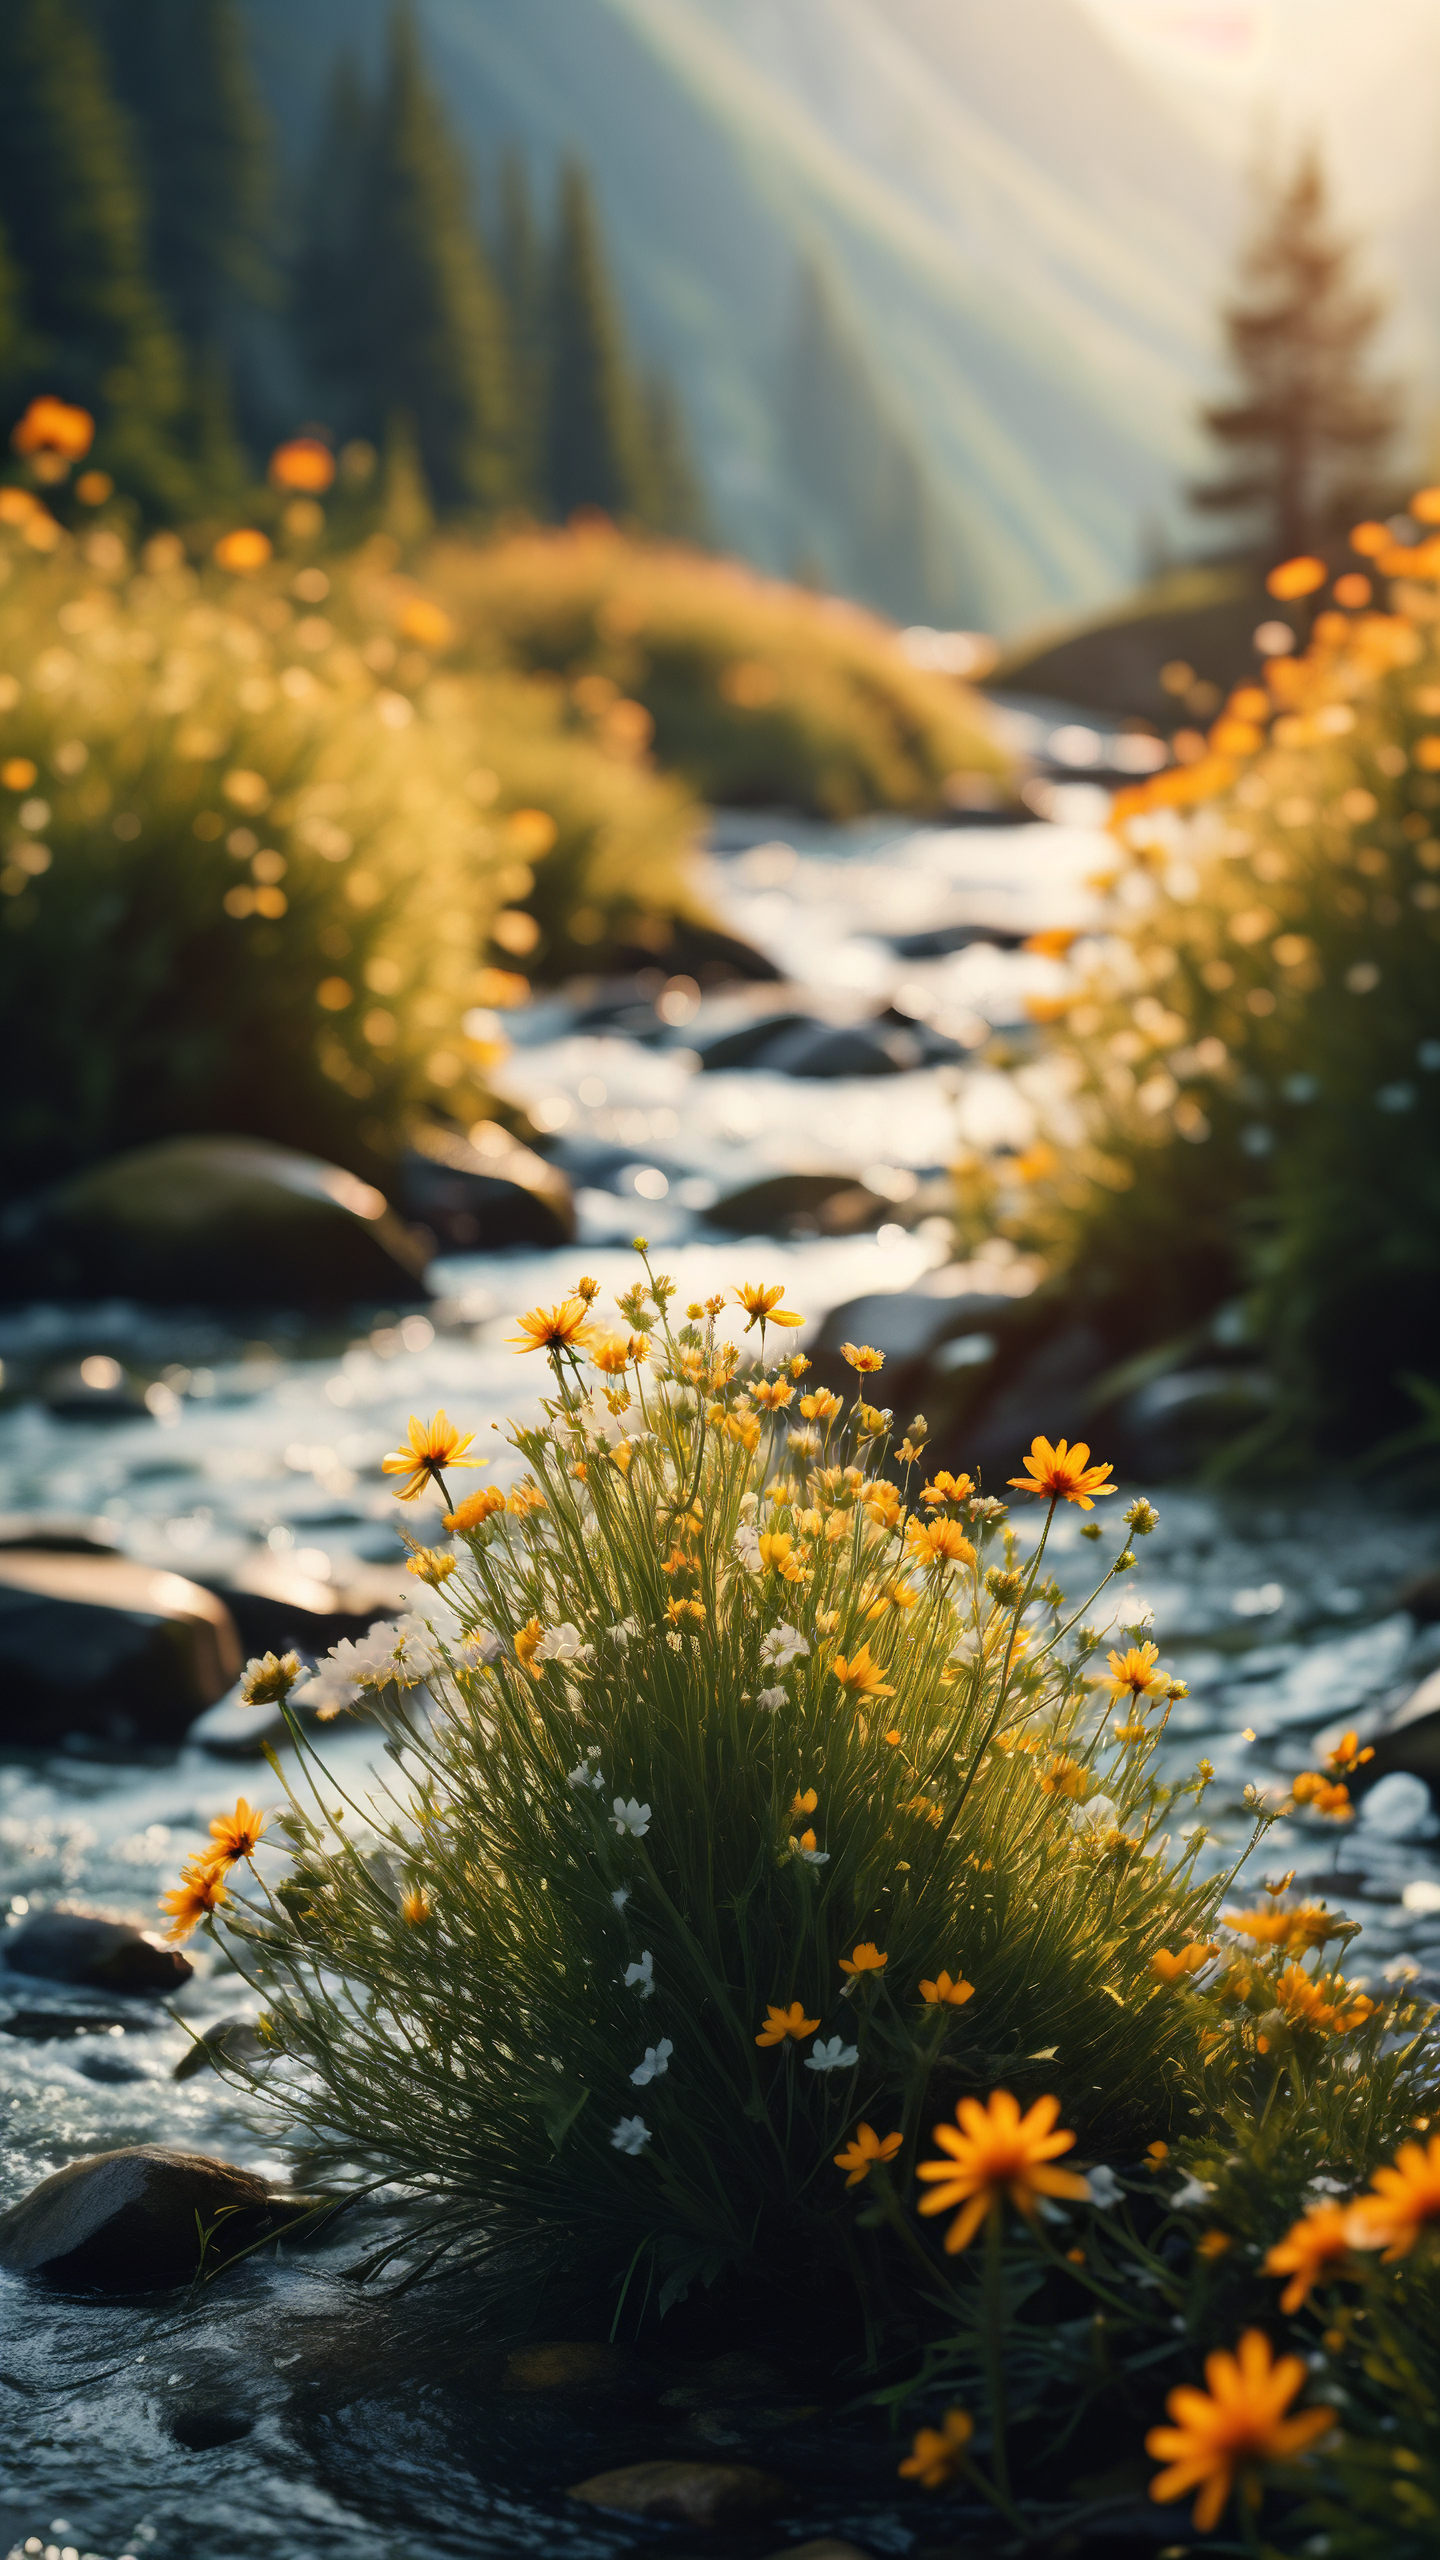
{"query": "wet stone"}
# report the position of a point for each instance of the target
(564, 2364)
(101, 1645)
(694, 2493)
(230, 2040)
(105, 1955)
(126, 2221)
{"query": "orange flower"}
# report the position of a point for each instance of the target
(236, 1835)
(864, 2148)
(821, 1406)
(938, 2451)
(947, 1488)
(200, 1891)
(245, 549)
(475, 1510)
(780, 2023)
(762, 1306)
(997, 2152)
(613, 1352)
(937, 1543)
(772, 1393)
(808, 1803)
(1313, 2247)
(860, 1675)
(52, 426)
(862, 1356)
(1347, 1755)
(1237, 2425)
(562, 1328)
(1294, 578)
(1136, 1670)
(526, 1640)
(1064, 1777)
(1323, 1795)
(775, 1554)
(945, 1994)
(304, 463)
(416, 1907)
(1404, 2200)
(1064, 1473)
(429, 1448)
(1168, 1968)
(866, 1959)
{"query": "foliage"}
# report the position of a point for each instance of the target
(174, 746)
(758, 692)
(1247, 1074)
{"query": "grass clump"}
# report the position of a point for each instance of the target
(765, 1800)
(756, 692)
(1248, 1071)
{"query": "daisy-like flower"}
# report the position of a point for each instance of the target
(866, 1959)
(943, 1487)
(641, 1977)
(430, 1447)
(268, 1679)
(945, 1992)
(612, 1353)
(236, 1835)
(860, 1676)
(762, 1306)
(773, 1393)
(780, 2023)
(864, 2148)
(996, 2152)
(562, 1644)
(862, 1357)
(475, 1510)
(630, 2136)
(821, 1405)
(1313, 2248)
(1226, 2432)
(655, 2064)
(780, 1646)
(832, 2055)
(1065, 1474)
(1174, 1968)
(938, 2452)
(565, 1327)
(1404, 2201)
(1135, 1671)
(200, 1891)
(631, 1820)
(935, 1544)
(431, 1565)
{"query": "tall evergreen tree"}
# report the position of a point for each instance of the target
(594, 429)
(520, 265)
(677, 500)
(328, 302)
(74, 214)
(1306, 435)
(870, 521)
(433, 338)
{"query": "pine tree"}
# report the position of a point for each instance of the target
(520, 266)
(677, 499)
(594, 432)
(433, 330)
(1307, 433)
(73, 211)
(328, 303)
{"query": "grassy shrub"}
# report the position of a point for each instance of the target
(255, 853)
(757, 692)
(1251, 1067)
(727, 1730)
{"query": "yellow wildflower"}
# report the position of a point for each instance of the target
(526, 1640)
(860, 1676)
(1064, 1473)
(429, 1448)
(565, 1327)
(865, 2149)
(1314, 2247)
(945, 1993)
(200, 1891)
(939, 2451)
(995, 2153)
(428, 1564)
(772, 1393)
(1233, 2428)
(762, 1306)
(475, 1510)
(866, 1959)
(1135, 1671)
(863, 1357)
(820, 1405)
(780, 2023)
(236, 1835)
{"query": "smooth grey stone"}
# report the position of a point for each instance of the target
(106, 1955)
(98, 1644)
(126, 2221)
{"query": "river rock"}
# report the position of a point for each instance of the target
(1397, 1807)
(229, 2040)
(749, 1044)
(845, 1049)
(97, 1644)
(913, 1329)
(221, 1221)
(478, 1198)
(566, 2364)
(104, 1955)
(824, 2549)
(796, 1204)
(125, 2221)
(693, 2493)
(939, 940)
(1410, 1740)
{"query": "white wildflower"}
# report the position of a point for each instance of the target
(781, 1646)
(987, 1510)
(623, 1633)
(1137, 1618)
(1105, 2188)
(327, 1692)
(813, 1857)
(477, 1651)
(561, 1644)
(1098, 1813)
(630, 2135)
(633, 1818)
(747, 1547)
(655, 2064)
(749, 1505)
(834, 2055)
(641, 1977)
(620, 1896)
(770, 1699)
(1191, 2191)
(584, 1774)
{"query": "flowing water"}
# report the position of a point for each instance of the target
(277, 2413)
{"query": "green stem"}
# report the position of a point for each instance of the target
(995, 2346)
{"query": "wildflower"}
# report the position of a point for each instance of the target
(585, 1774)
(866, 1959)
(474, 1511)
(52, 426)
(1064, 1473)
(416, 1907)
(675, 1610)
(565, 1327)
(860, 1675)
(947, 1994)
(938, 1543)
(655, 2064)
(527, 1645)
(612, 1353)
(620, 1897)
(630, 2136)
(431, 1565)
(236, 1835)
(939, 2452)
(806, 1803)
(1141, 1518)
(996, 2152)
(1213, 2244)
(641, 1977)
(775, 1550)
(1135, 1670)
(1156, 2154)
(1064, 1777)
(832, 2055)
(622, 1635)
(1239, 2423)
(782, 1645)
(243, 549)
(772, 1393)
(328, 1692)
(1314, 2247)
(1104, 2188)
(1404, 2200)
(632, 1818)
(1174, 1968)
(1347, 1755)
(863, 1357)
(770, 1699)
(1135, 1731)
(746, 1543)
(780, 2023)
(429, 1448)
(762, 1306)
(863, 2150)
(821, 1405)
(1308, 1925)
(944, 1487)
(1323, 1795)
(805, 1848)
(269, 1678)
(881, 1503)
(561, 1644)
(200, 1891)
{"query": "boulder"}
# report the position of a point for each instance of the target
(1171, 1424)
(846, 1049)
(104, 1955)
(229, 2040)
(126, 2221)
(277, 1608)
(693, 2493)
(564, 2364)
(221, 1221)
(94, 1643)
(1410, 1739)
(913, 1329)
(50, 2026)
(479, 1196)
(938, 941)
(798, 1204)
(749, 1043)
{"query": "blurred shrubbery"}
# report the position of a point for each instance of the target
(1252, 1066)
(755, 691)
